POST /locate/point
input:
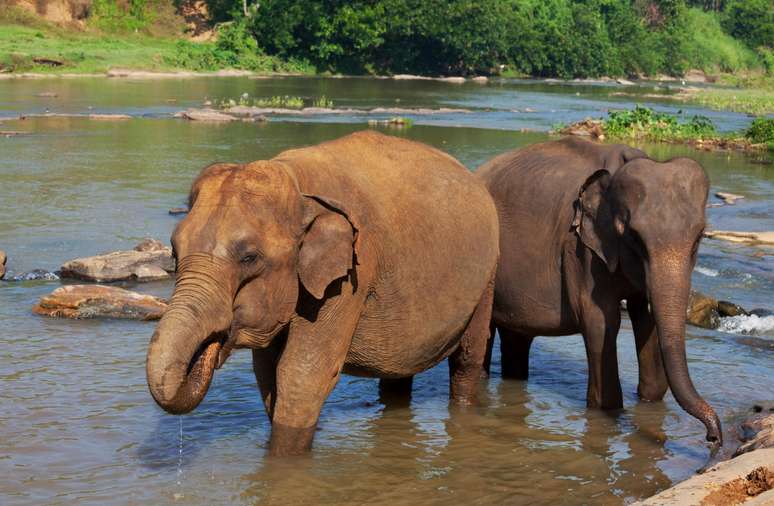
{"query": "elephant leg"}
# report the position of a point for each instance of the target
(307, 371)
(600, 330)
(265, 370)
(488, 356)
(653, 382)
(467, 361)
(514, 350)
(395, 392)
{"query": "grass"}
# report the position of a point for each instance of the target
(24, 37)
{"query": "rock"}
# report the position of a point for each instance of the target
(178, 210)
(758, 430)
(47, 94)
(152, 261)
(743, 237)
(36, 275)
(205, 115)
(731, 482)
(624, 82)
(110, 117)
(726, 309)
(728, 198)
(695, 76)
(3, 260)
(586, 128)
(96, 301)
(761, 313)
(702, 311)
(455, 80)
(12, 133)
(480, 79)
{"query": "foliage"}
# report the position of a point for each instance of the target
(761, 131)
(643, 122)
(277, 102)
(711, 49)
(750, 20)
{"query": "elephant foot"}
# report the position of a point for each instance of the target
(289, 441)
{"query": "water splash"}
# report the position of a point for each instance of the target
(750, 325)
(707, 271)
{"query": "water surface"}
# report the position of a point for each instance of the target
(78, 425)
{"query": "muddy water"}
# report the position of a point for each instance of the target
(77, 422)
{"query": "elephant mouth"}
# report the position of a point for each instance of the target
(198, 376)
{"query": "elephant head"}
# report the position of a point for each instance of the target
(646, 221)
(251, 242)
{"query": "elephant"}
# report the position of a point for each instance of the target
(584, 226)
(367, 255)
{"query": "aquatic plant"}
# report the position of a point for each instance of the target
(279, 101)
(323, 102)
(643, 122)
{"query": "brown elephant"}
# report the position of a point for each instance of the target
(368, 255)
(584, 226)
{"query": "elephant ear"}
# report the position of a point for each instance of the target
(622, 155)
(594, 219)
(327, 250)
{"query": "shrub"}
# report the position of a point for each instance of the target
(643, 122)
(751, 21)
(761, 131)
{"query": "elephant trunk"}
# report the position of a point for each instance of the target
(184, 350)
(669, 285)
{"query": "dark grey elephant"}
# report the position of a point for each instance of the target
(584, 226)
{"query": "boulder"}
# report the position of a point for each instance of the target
(97, 301)
(758, 430)
(150, 260)
(749, 477)
(3, 259)
(702, 311)
(726, 309)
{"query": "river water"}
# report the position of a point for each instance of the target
(77, 423)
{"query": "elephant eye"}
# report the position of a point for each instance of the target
(249, 258)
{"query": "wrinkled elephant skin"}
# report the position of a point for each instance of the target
(369, 255)
(582, 227)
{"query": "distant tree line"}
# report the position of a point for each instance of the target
(547, 38)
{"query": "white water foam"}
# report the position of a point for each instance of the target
(706, 271)
(750, 325)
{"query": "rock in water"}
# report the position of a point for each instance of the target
(703, 311)
(3, 259)
(150, 260)
(36, 275)
(97, 301)
(758, 430)
(726, 309)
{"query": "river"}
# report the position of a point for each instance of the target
(77, 423)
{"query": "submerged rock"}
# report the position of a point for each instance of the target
(205, 115)
(743, 237)
(3, 259)
(178, 210)
(702, 311)
(97, 301)
(150, 260)
(36, 275)
(728, 198)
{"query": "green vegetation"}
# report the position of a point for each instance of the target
(277, 102)
(761, 132)
(24, 38)
(542, 38)
(646, 124)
